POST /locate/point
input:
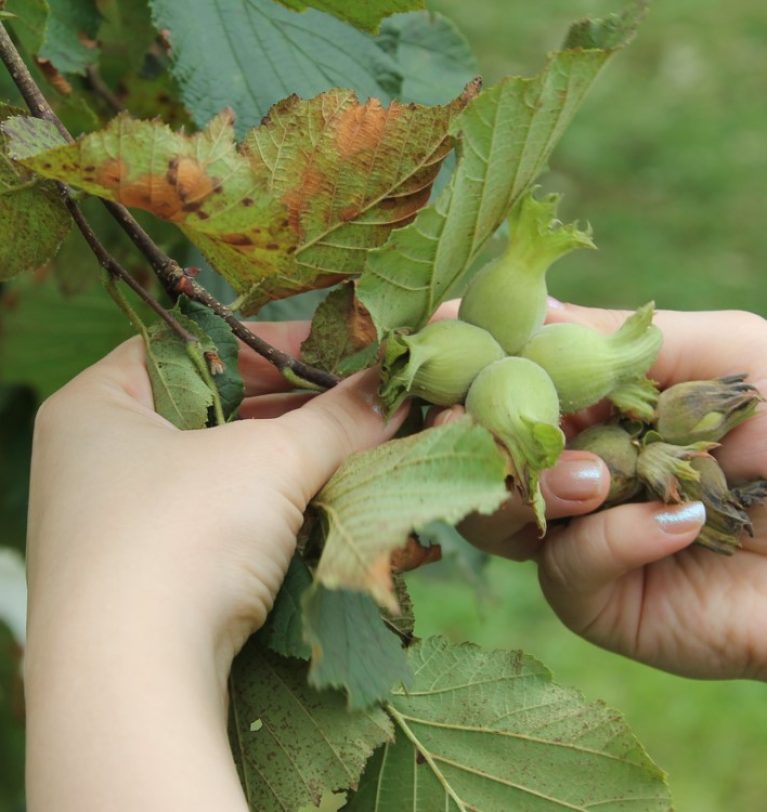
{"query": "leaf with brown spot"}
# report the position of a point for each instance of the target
(296, 207)
(341, 330)
(377, 498)
(33, 218)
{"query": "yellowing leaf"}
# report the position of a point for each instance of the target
(295, 208)
(365, 15)
(378, 497)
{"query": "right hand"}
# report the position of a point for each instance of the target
(629, 578)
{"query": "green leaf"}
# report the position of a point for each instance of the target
(286, 53)
(434, 58)
(351, 647)
(489, 730)
(341, 329)
(378, 497)
(295, 208)
(366, 15)
(180, 394)
(229, 383)
(18, 405)
(46, 338)
(506, 136)
(61, 32)
(33, 218)
(307, 742)
(283, 631)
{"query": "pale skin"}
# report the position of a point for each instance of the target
(627, 578)
(154, 553)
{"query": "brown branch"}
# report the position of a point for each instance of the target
(168, 271)
(113, 267)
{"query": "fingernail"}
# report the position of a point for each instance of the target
(555, 304)
(576, 480)
(683, 519)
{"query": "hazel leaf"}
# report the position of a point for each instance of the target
(506, 136)
(351, 647)
(307, 742)
(304, 53)
(377, 498)
(295, 207)
(33, 218)
(366, 16)
(341, 332)
(489, 730)
(180, 394)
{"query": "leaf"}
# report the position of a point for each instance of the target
(286, 53)
(366, 16)
(229, 383)
(378, 497)
(351, 647)
(489, 730)
(283, 631)
(341, 328)
(33, 218)
(46, 338)
(308, 741)
(61, 32)
(181, 396)
(280, 215)
(432, 55)
(506, 136)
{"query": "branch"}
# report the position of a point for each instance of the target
(168, 271)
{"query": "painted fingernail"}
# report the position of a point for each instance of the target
(576, 480)
(683, 519)
(555, 304)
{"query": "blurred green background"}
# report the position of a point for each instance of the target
(666, 160)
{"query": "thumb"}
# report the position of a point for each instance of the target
(335, 424)
(579, 566)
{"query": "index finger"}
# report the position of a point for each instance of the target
(260, 376)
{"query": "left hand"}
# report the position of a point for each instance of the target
(153, 553)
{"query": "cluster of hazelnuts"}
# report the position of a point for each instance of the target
(518, 377)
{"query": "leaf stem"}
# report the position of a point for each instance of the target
(438, 774)
(167, 270)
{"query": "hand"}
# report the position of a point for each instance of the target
(152, 554)
(627, 578)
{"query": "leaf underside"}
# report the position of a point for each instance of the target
(378, 497)
(351, 647)
(488, 730)
(306, 741)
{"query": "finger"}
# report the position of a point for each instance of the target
(593, 552)
(576, 485)
(260, 376)
(447, 310)
(696, 346)
(266, 407)
(335, 424)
